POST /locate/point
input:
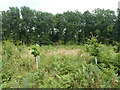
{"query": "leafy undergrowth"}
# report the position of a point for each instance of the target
(59, 67)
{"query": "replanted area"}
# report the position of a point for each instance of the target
(61, 66)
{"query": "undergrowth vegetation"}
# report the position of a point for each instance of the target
(61, 66)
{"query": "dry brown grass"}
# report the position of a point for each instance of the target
(27, 54)
(63, 51)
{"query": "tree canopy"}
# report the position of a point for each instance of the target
(31, 26)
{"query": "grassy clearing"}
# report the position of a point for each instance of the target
(59, 67)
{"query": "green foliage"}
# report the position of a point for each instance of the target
(10, 50)
(87, 48)
(35, 50)
(59, 71)
(93, 46)
(70, 27)
(116, 46)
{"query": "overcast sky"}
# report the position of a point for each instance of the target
(60, 6)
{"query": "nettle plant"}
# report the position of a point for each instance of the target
(36, 52)
(92, 47)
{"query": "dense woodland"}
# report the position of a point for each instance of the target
(31, 26)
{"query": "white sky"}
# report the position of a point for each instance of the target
(60, 6)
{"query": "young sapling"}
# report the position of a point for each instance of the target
(94, 47)
(35, 52)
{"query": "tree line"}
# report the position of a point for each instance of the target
(31, 26)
